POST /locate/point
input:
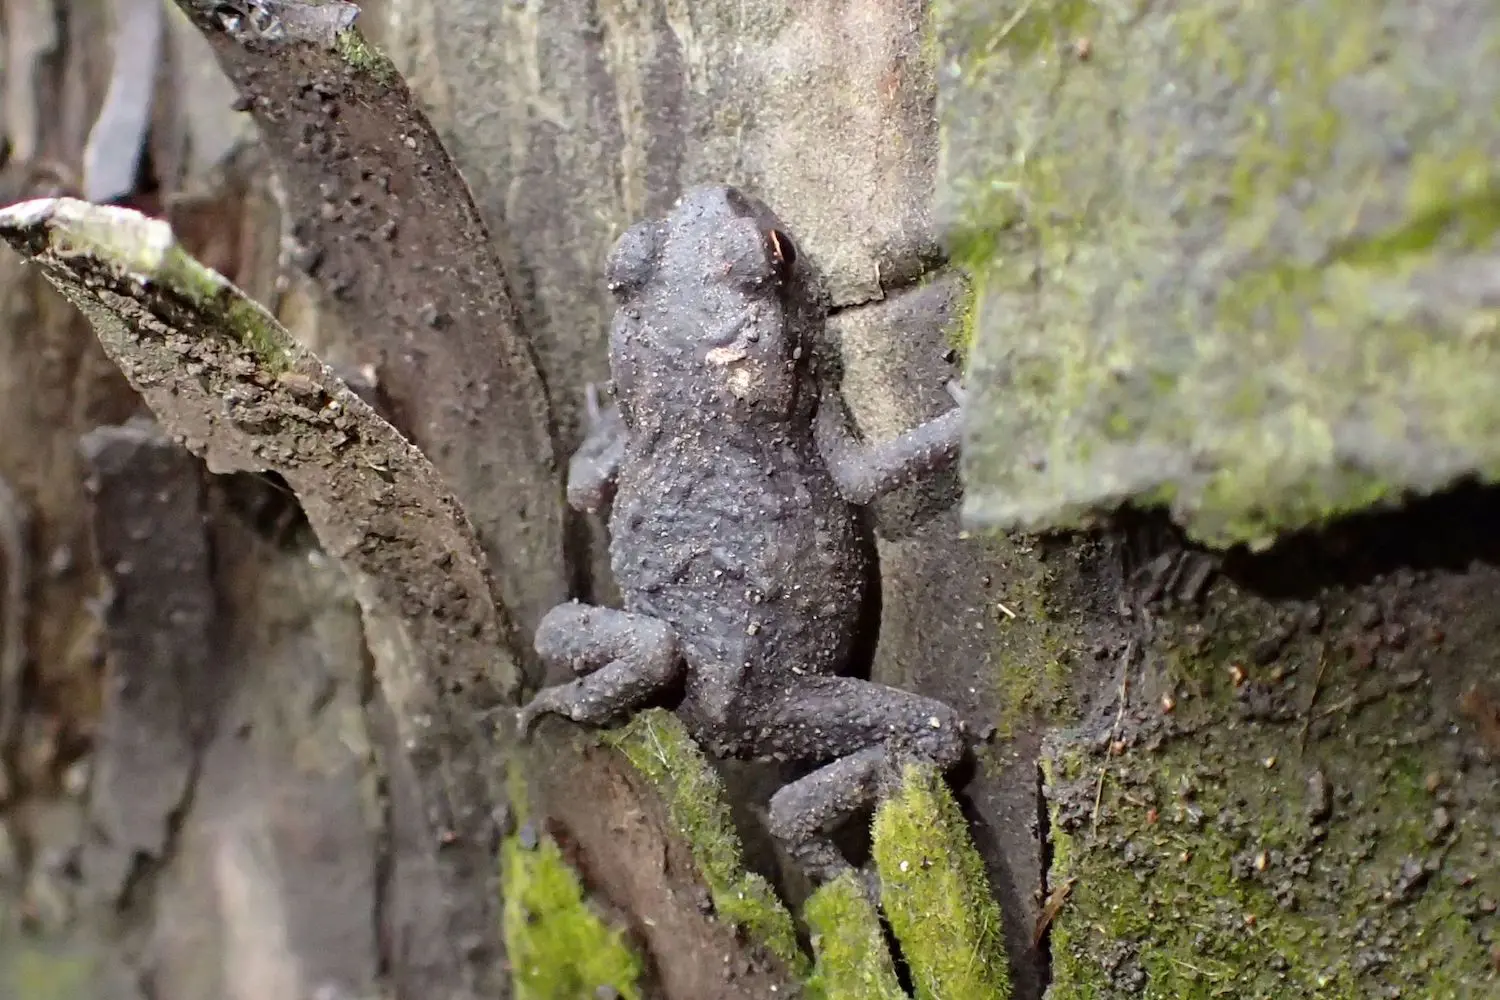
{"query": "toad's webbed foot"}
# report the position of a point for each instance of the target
(595, 466)
(864, 473)
(866, 732)
(621, 661)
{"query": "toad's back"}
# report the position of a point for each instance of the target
(743, 546)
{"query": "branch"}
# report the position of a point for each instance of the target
(385, 225)
(224, 377)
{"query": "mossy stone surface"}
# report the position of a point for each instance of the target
(558, 947)
(934, 892)
(853, 962)
(658, 746)
(1234, 259)
(933, 885)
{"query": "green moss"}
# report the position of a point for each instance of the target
(360, 55)
(35, 972)
(1206, 868)
(661, 749)
(960, 331)
(936, 895)
(1033, 652)
(853, 962)
(558, 947)
(1218, 261)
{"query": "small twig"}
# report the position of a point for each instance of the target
(1051, 909)
(1307, 717)
(15, 524)
(1114, 733)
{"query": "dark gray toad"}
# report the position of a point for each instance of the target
(733, 536)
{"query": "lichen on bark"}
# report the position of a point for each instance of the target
(934, 891)
(1229, 259)
(853, 962)
(660, 748)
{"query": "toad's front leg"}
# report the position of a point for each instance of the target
(622, 660)
(865, 472)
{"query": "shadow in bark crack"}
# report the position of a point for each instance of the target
(1448, 531)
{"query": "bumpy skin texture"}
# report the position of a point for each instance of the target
(733, 536)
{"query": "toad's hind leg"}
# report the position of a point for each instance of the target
(621, 660)
(867, 731)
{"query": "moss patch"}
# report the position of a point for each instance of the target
(360, 55)
(1260, 841)
(35, 971)
(934, 891)
(559, 948)
(853, 962)
(1035, 649)
(660, 748)
(1221, 254)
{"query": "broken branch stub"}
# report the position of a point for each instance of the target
(223, 376)
(386, 228)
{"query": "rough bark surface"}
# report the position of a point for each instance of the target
(379, 217)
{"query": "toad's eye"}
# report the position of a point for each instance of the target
(633, 260)
(783, 253)
(758, 260)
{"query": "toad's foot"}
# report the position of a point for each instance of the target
(595, 466)
(868, 731)
(621, 661)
